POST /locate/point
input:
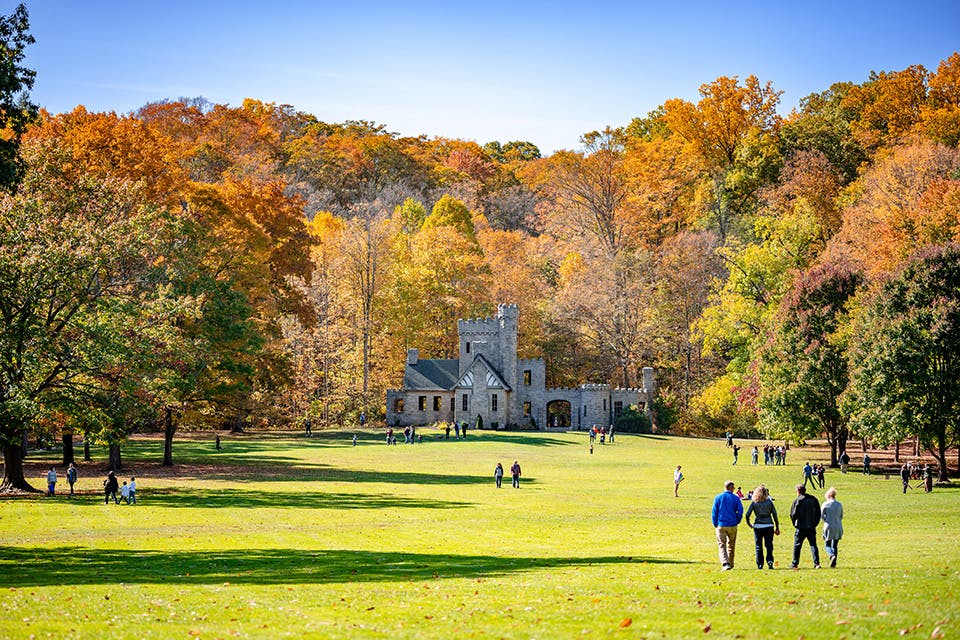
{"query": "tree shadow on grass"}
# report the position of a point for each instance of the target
(324, 473)
(255, 499)
(520, 438)
(40, 566)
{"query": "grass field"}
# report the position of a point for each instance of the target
(281, 536)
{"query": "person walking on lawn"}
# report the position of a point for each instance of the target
(808, 476)
(515, 473)
(72, 476)
(726, 515)
(805, 514)
(765, 524)
(832, 513)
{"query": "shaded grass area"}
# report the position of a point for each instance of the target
(38, 566)
(228, 498)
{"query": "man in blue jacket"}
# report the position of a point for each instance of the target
(726, 515)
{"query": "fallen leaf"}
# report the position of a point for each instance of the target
(626, 622)
(707, 628)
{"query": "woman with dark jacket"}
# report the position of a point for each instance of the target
(765, 524)
(110, 486)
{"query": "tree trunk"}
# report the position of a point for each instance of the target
(941, 455)
(116, 464)
(896, 452)
(169, 429)
(842, 436)
(86, 448)
(68, 448)
(916, 445)
(13, 480)
(236, 423)
(24, 444)
(833, 439)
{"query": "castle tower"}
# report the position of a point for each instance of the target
(508, 319)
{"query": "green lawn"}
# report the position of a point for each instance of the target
(289, 537)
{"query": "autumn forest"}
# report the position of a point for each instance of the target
(194, 265)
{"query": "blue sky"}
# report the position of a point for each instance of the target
(546, 72)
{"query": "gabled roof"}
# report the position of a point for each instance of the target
(431, 375)
(494, 379)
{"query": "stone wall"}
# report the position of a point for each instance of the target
(411, 414)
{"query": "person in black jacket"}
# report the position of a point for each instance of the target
(110, 486)
(805, 514)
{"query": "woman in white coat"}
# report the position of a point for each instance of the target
(832, 514)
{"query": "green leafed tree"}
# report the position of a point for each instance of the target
(16, 110)
(802, 368)
(68, 251)
(905, 356)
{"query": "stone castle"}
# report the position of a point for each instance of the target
(489, 380)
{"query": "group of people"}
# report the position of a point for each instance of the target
(52, 479)
(923, 473)
(128, 492)
(600, 432)
(806, 514)
(814, 474)
(775, 455)
(111, 485)
(410, 436)
(514, 474)
(457, 430)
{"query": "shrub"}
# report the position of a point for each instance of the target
(632, 420)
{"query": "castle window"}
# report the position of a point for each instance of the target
(604, 404)
(398, 405)
(465, 406)
(468, 347)
(526, 377)
(422, 403)
(526, 409)
(436, 403)
(493, 403)
(453, 405)
(617, 408)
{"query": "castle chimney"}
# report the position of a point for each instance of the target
(413, 355)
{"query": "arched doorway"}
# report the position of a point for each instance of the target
(558, 414)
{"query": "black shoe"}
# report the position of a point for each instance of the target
(833, 561)
(770, 564)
